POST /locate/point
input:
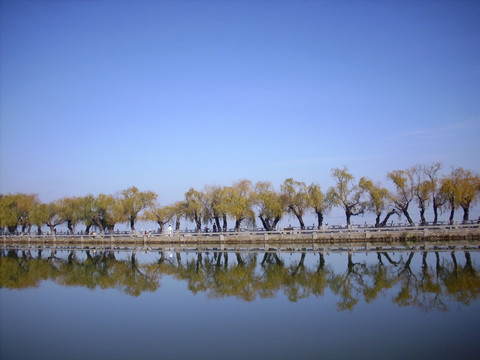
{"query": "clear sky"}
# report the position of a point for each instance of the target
(97, 96)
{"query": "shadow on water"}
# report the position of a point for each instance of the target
(247, 276)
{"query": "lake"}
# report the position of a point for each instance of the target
(101, 304)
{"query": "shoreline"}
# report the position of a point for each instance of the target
(363, 239)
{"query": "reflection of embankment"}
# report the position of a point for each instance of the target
(452, 277)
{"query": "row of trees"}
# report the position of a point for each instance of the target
(244, 201)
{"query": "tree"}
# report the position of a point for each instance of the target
(405, 190)
(194, 207)
(87, 211)
(215, 205)
(178, 209)
(239, 200)
(378, 201)
(133, 201)
(107, 211)
(8, 213)
(449, 193)
(38, 216)
(423, 189)
(296, 199)
(25, 205)
(346, 193)
(467, 189)
(270, 204)
(318, 202)
(53, 215)
(71, 211)
(15, 210)
(431, 172)
(160, 214)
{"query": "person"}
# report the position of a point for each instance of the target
(169, 231)
(214, 228)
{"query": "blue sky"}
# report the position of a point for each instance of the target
(97, 96)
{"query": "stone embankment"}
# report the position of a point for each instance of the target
(365, 238)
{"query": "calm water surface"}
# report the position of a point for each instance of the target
(149, 305)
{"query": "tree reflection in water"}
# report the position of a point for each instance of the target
(439, 278)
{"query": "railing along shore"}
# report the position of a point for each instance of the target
(469, 231)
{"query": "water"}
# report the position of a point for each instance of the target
(124, 304)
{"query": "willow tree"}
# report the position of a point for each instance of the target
(239, 198)
(296, 198)
(15, 210)
(318, 202)
(160, 214)
(26, 203)
(133, 201)
(346, 193)
(178, 210)
(193, 209)
(378, 201)
(405, 190)
(107, 211)
(38, 216)
(86, 210)
(71, 211)
(449, 193)
(423, 189)
(270, 205)
(438, 200)
(467, 186)
(8, 212)
(53, 216)
(216, 206)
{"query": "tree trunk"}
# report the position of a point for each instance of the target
(377, 220)
(265, 223)
(217, 222)
(132, 224)
(435, 211)
(70, 227)
(52, 229)
(407, 215)
(161, 224)
(275, 222)
(300, 220)
(319, 219)
(390, 213)
(466, 211)
(348, 215)
(237, 224)
(87, 229)
(452, 213)
(423, 222)
(12, 229)
(225, 228)
(100, 225)
(177, 224)
(299, 217)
